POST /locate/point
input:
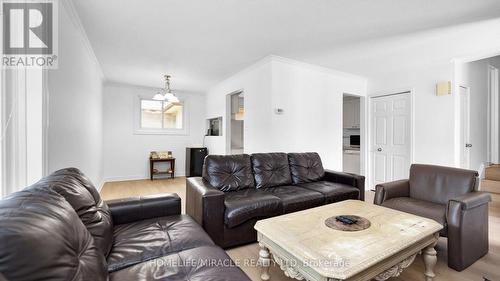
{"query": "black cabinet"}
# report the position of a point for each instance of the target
(194, 160)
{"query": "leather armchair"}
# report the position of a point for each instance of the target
(389, 190)
(449, 196)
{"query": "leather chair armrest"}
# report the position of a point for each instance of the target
(205, 204)
(471, 200)
(134, 209)
(388, 190)
(467, 221)
(357, 181)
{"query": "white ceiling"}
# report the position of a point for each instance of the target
(200, 42)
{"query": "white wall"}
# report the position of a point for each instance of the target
(475, 76)
(255, 81)
(312, 99)
(75, 102)
(126, 154)
(310, 96)
(434, 116)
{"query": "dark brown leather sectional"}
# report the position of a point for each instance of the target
(450, 197)
(238, 190)
(60, 229)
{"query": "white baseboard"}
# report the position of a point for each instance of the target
(129, 178)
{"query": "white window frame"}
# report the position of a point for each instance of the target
(138, 130)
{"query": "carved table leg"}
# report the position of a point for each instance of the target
(264, 262)
(429, 255)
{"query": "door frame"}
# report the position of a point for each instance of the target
(227, 123)
(369, 154)
(363, 131)
(461, 145)
(493, 116)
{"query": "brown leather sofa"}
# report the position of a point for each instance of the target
(450, 197)
(238, 190)
(60, 229)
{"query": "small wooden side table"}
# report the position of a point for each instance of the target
(152, 164)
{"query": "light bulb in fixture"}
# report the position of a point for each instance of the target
(175, 99)
(159, 97)
(171, 98)
(166, 93)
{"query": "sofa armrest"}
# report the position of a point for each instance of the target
(467, 222)
(471, 200)
(357, 181)
(388, 190)
(205, 204)
(134, 209)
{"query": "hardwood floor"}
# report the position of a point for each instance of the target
(488, 267)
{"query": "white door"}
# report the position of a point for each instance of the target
(464, 127)
(390, 140)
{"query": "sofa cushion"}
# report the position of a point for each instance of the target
(42, 238)
(305, 167)
(333, 192)
(207, 263)
(439, 184)
(149, 239)
(81, 194)
(294, 198)
(271, 169)
(247, 204)
(421, 208)
(228, 172)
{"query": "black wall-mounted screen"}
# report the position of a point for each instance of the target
(354, 140)
(214, 127)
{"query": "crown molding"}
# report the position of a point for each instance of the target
(274, 58)
(70, 8)
(241, 72)
(112, 83)
(315, 67)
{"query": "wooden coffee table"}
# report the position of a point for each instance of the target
(306, 249)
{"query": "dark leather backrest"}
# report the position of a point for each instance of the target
(42, 238)
(228, 172)
(271, 169)
(81, 194)
(439, 184)
(305, 167)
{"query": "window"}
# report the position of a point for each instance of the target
(160, 117)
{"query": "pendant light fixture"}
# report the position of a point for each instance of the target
(166, 94)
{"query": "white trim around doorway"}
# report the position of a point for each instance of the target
(493, 116)
(227, 122)
(363, 131)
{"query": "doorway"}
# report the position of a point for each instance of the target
(236, 123)
(391, 125)
(351, 129)
(464, 99)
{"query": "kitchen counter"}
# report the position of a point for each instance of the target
(351, 150)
